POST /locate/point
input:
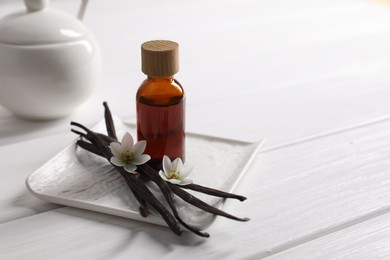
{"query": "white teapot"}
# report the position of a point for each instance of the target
(49, 62)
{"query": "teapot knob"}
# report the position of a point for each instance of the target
(36, 5)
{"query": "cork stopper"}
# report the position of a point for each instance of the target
(160, 58)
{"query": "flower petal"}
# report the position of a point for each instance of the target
(140, 159)
(117, 161)
(177, 165)
(167, 164)
(162, 175)
(139, 147)
(116, 149)
(185, 182)
(127, 143)
(187, 169)
(174, 181)
(130, 168)
(180, 166)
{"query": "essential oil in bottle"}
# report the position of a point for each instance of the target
(161, 103)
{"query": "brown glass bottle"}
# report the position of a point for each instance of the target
(160, 103)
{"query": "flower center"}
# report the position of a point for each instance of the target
(127, 157)
(174, 175)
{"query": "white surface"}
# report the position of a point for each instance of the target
(366, 240)
(309, 76)
(76, 178)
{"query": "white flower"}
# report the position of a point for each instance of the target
(175, 172)
(128, 154)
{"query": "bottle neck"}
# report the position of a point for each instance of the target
(153, 78)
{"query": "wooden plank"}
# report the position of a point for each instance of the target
(316, 187)
(366, 240)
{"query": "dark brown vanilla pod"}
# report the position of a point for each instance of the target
(99, 144)
(168, 194)
(213, 192)
(191, 199)
(109, 122)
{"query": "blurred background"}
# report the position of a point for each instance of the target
(298, 68)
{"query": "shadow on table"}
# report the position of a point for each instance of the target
(161, 235)
(14, 129)
(26, 205)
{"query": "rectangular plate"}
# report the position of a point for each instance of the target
(77, 178)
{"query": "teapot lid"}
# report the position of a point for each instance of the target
(40, 25)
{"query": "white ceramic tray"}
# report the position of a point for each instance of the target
(77, 178)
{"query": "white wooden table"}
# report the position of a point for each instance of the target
(311, 77)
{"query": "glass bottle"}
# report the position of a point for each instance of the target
(160, 103)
